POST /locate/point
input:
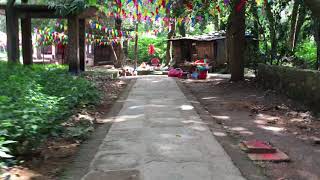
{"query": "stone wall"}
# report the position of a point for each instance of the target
(298, 84)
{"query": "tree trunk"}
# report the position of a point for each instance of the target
(182, 29)
(12, 27)
(297, 21)
(216, 22)
(73, 45)
(317, 39)
(118, 48)
(256, 24)
(294, 16)
(82, 44)
(136, 46)
(272, 30)
(236, 41)
(170, 35)
(26, 41)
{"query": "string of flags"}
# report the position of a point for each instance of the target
(146, 11)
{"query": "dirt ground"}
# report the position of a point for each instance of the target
(51, 159)
(246, 112)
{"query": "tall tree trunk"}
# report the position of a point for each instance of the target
(170, 35)
(182, 29)
(272, 29)
(294, 16)
(256, 24)
(216, 22)
(73, 57)
(12, 28)
(236, 41)
(136, 46)
(317, 39)
(119, 47)
(296, 24)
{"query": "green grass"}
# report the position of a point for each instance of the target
(34, 101)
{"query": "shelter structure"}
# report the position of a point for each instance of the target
(198, 47)
(212, 47)
(104, 55)
(25, 12)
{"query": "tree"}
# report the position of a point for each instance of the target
(256, 24)
(236, 40)
(272, 29)
(297, 19)
(317, 39)
(171, 33)
(118, 48)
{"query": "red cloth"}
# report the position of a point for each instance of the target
(151, 49)
(199, 62)
(175, 73)
(155, 61)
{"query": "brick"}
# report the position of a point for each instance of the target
(256, 146)
(273, 157)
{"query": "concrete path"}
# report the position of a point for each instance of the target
(159, 136)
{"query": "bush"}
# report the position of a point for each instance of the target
(307, 52)
(35, 100)
(160, 44)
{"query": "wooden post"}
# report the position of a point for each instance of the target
(82, 44)
(73, 44)
(136, 46)
(12, 26)
(26, 41)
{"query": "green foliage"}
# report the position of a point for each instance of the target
(307, 51)
(35, 100)
(160, 44)
(67, 7)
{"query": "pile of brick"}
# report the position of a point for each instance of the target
(263, 151)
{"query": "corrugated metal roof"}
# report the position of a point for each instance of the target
(210, 37)
(207, 37)
(199, 38)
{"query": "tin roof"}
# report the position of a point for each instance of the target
(208, 37)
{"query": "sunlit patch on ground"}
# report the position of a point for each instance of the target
(186, 107)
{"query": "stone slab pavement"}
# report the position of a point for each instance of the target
(159, 136)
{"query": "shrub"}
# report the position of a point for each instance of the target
(35, 100)
(307, 52)
(160, 44)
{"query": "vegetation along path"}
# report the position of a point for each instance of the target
(158, 135)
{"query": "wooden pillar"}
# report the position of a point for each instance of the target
(12, 26)
(26, 41)
(136, 46)
(82, 43)
(73, 44)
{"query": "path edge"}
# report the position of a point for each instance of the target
(80, 164)
(238, 158)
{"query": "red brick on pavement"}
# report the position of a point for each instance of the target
(257, 146)
(274, 157)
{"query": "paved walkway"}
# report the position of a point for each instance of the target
(159, 136)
